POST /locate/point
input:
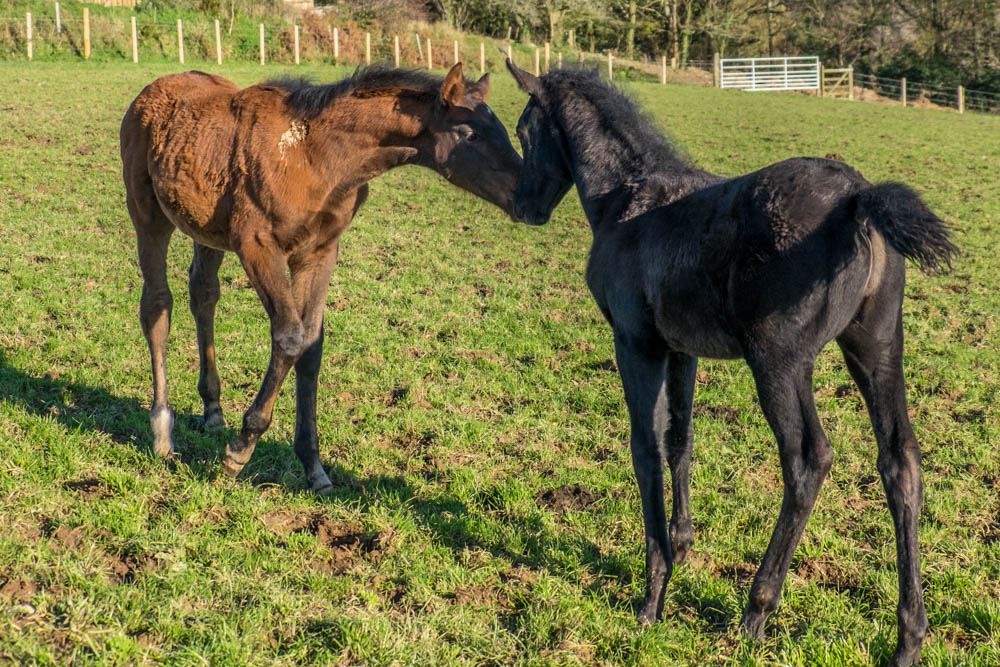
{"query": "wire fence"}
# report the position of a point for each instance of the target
(129, 36)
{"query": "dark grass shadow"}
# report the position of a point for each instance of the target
(125, 421)
(452, 523)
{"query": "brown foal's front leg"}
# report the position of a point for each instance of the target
(310, 283)
(266, 267)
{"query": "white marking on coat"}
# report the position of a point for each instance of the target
(293, 135)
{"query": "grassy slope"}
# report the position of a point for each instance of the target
(467, 373)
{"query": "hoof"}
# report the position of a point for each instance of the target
(233, 463)
(324, 490)
(213, 418)
(232, 468)
(162, 422)
(318, 480)
(648, 613)
(753, 625)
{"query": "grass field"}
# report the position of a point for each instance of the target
(472, 419)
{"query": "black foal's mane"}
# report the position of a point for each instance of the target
(615, 119)
(308, 99)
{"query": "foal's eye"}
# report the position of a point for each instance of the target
(472, 136)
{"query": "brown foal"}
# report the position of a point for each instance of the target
(275, 173)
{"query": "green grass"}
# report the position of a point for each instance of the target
(467, 374)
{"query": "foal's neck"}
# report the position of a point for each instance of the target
(367, 136)
(618, 179)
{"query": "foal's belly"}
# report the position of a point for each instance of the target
(193, 211)
(698, 337)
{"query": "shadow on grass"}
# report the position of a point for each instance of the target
(126, 422)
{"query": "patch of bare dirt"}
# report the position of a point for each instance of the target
(742, 573)
(18, 589)
(608, 365)
(827, 574)
(723, 413)
(125, 567)
(344, 544)
(69, 538)
(89, 489)
(567, 498)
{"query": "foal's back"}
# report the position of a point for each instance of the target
(721, 260)
(200, 142)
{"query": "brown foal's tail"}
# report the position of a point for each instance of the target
(907, 224)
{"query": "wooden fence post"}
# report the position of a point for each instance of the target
(716, 70)
(86, 33)
(902, 90)
(663, 69)
(368, 48)
(610, 71)
(296, 43)
(396, 48)
(546, 56)
(420, 48)
(510, 52)
(961, 99)
(135, 42)
(572, 33)
(822, 81)
(850, 82)
(456, 51)
(58, 19)
(336, 44)
(218, 43)
(482, 57)
(537, 69)
(430, 58)
(180, 41)
(30, 44)
(261, 43)
(560, 60)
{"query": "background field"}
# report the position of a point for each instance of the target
(472, 418)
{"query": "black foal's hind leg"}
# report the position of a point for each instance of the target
(786, 396)
(645, 394)
(203, 285)
(681, 370)
(873, 349)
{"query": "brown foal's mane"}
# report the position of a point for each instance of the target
(308, 100)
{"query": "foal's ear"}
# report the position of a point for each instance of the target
(526, 81)
(453, 88)
(482, 88)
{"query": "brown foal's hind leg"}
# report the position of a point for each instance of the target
(203, 286)
(873, 349)
(310, 287)
(153, 231)
(786, 397)
(266, 267)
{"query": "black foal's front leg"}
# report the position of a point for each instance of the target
(203, 286)
(643, 378)
(786, 397)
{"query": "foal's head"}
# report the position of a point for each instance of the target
(545, 174)
(468, 144)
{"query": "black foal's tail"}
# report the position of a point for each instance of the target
(907, 224)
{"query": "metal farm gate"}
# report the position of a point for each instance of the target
(794, 73)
